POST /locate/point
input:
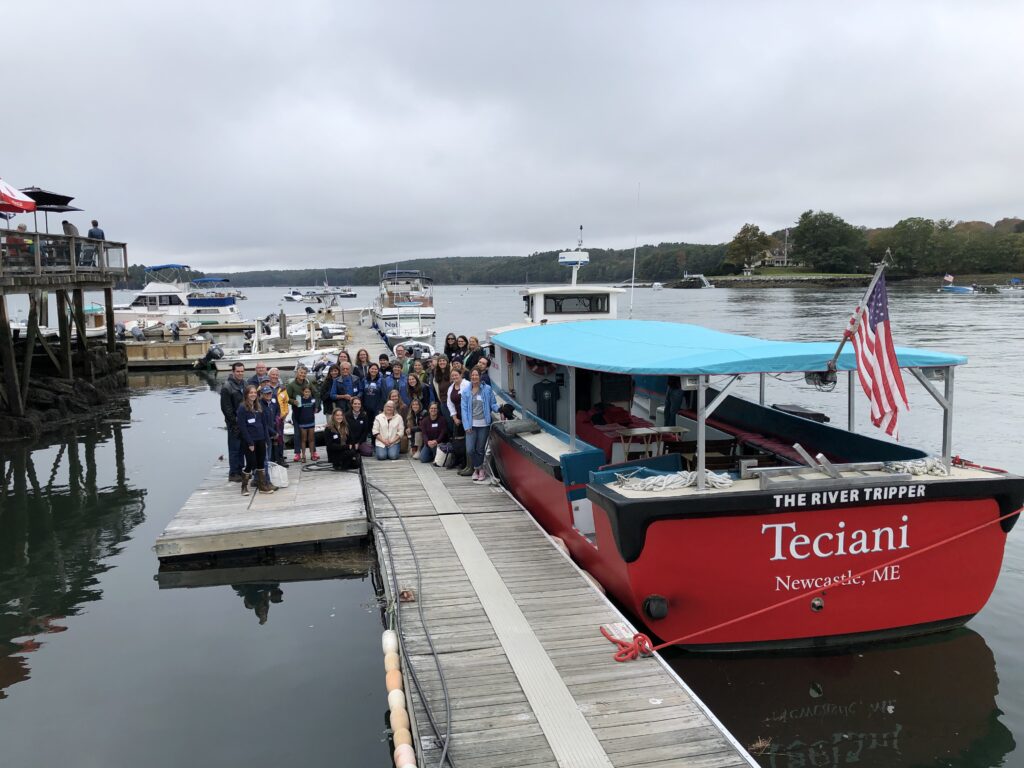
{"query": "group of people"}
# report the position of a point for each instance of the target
(396, 404)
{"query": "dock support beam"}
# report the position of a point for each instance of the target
(64, 326)
(83, 340)
(108, 303)
(702, 386)
(12, 391)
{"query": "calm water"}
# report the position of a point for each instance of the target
(103, 665)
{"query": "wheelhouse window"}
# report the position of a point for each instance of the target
(575, 303)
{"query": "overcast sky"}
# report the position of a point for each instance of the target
(250, 134)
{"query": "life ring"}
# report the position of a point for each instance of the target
(540, 367)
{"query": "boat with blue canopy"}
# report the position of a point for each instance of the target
(723, 523)
(170, 296)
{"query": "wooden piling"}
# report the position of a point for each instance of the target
(12, 389)
(64, 327)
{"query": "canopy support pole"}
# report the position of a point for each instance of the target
(702, 385)
(760, 388)
(945, 401)
(572, 408)
(704, 409)
(850, 399)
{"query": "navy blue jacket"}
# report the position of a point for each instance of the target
(255, 426)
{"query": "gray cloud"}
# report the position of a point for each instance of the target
(237, 134)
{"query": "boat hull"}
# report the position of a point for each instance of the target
(731, 581)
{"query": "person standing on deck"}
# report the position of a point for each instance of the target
(254, 429)
(69, 229)
(95, 232)
(346, 387)
(281, 395)
(673, 400)
(294, 389)
(231, 396)
(374, 392)
(473, 355)
(402, 359)
(260, 376)
(478, 404)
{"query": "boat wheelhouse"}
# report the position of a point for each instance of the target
(404, 305)
(730, 525)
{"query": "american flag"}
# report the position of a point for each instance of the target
(877, 366)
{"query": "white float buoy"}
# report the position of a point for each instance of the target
(389, 641)
(396, 700)
(404, 754)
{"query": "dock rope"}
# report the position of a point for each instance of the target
(672, 482)
(396, 608)
(641, 645)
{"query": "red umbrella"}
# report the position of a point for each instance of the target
(13, 200)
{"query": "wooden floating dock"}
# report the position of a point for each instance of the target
(317, 506)
(531, 680)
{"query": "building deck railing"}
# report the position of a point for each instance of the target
(40, 254)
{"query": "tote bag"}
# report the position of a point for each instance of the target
(278, 475)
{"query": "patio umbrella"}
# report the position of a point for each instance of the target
(13, 200)
(47, 201)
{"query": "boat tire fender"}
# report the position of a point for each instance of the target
(655, 606)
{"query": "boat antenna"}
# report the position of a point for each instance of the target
(632, 279)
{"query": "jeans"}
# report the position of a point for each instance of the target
(476, 444)
(673, 402)
(391, 452)
(427, 454)
(235, 457)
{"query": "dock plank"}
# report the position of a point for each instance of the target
(475, 542)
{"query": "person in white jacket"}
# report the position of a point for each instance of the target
(388, 429)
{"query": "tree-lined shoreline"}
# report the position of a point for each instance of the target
(820, 241)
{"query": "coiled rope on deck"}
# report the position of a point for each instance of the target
(925, 466)
(670, 482)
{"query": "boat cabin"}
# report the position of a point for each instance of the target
(571, 302)
(406, 288)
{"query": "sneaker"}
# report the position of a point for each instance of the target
(465, 472)
(316, 456)
(297, 457)
(481, 477)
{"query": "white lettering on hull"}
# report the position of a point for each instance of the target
(788, 543)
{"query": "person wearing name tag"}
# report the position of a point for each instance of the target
(254, 428)
(434, 431)
(339, 453)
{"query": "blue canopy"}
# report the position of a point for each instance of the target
(211, 280)
(662, 349)
(167, 266)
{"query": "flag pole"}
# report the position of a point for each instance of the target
(852, 329)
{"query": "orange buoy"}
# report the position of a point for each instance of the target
(391, 661)
(399, 719)
(402, 736)
(393, 680)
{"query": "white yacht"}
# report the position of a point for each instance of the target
(165, 301)
(404, 305)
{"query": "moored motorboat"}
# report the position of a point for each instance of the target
(404, 305)
(166, 298)
(738, 526)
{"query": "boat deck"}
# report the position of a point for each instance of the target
(315, 507)
(531, 680)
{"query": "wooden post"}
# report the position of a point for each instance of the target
(31, 331)
(66, 368)
(108, 302)
(12, 390)
(83, 340)
(44, 308)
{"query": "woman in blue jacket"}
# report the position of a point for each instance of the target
(478, 403)
(254, 428)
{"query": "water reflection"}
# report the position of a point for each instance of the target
(56, 530)
(258, 597)
(925, 702)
